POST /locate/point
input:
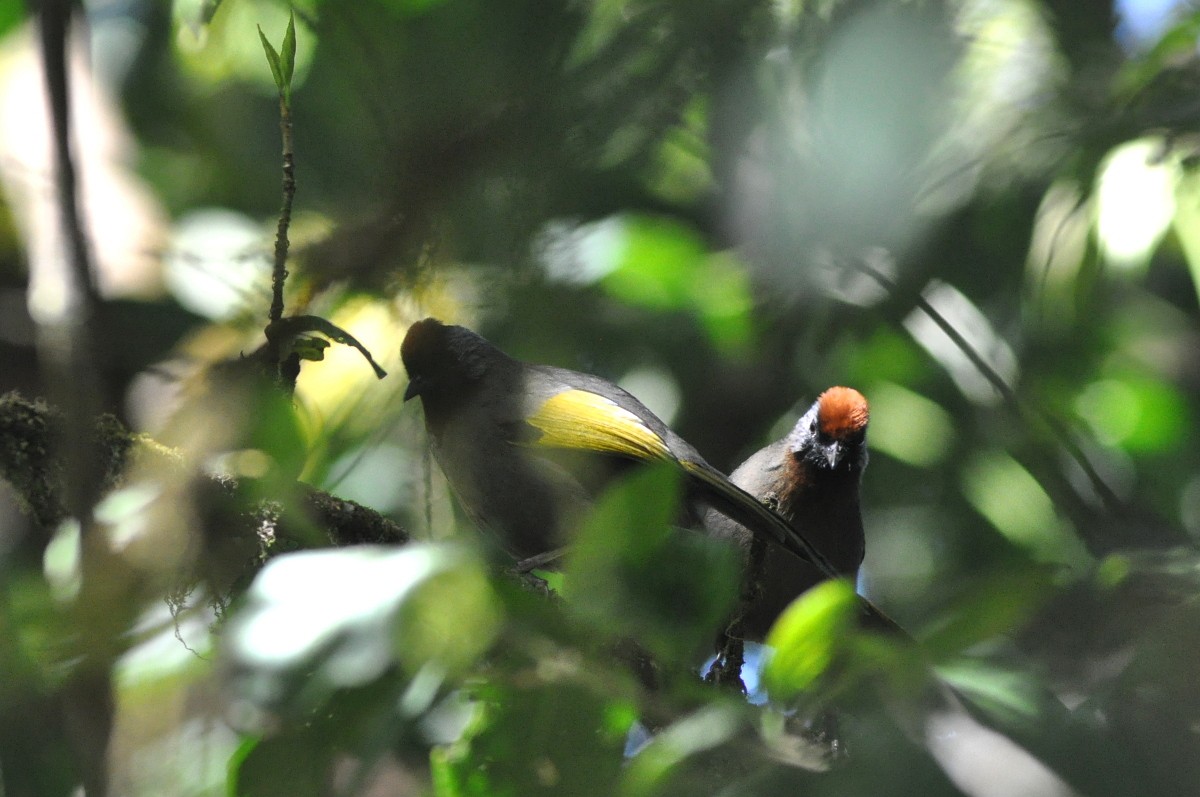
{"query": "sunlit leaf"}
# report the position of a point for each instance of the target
(808, 636)
(908, 426)
(1137, 413)
(1187, 220)
(984, 341)
(1014, 502)
(1135, 202)
(663, 264)
(319, 620)
(658, 263)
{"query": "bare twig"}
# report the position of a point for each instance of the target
(279, 273)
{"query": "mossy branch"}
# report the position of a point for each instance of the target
(30, 463)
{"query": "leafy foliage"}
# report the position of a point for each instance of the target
(983, 215)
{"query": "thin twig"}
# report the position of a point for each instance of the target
(1010, 397)
(280, 273)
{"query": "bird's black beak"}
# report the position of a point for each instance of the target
(416, 386)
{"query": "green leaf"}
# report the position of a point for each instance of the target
(278, 433)
(292, 764)
(428, 608)
(1141, 414)
(548, 739)
(450, 620)
(1004, 492)
(658, 265)
(694, 736)
(1174, 48)
(995, 603)
(312, 349)
(1020, 706)
(272, 59)
(808, 636)
(633, 574)
(11, 15)
(666, 265)
(287, 53)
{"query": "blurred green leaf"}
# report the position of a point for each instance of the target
(450, 620)
(634, 574)
(885, 355)
(1140, 414)
(698, 733)
(682, 173)
(276, 431)
(993, 604)
(11, 15)
(1014, 502)
(1171, 575)
(720, 294)
(317, 621)
(1187, 219)
(1175, 47)
(1007, 698)
(658, 263)
(555, 738)
(808, 636)
(1021, 706)
(293, 764)
(908, 426)
(665, 265)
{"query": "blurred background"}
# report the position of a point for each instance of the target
(983, 214)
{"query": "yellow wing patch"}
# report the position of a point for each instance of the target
(582, 420)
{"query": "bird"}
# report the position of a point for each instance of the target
(811, 478)
(525, 446)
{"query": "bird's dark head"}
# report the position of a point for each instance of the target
(832, 435)
(442, 357)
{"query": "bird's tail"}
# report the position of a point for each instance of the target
(737, 504)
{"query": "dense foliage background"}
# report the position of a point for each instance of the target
(983, 214)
